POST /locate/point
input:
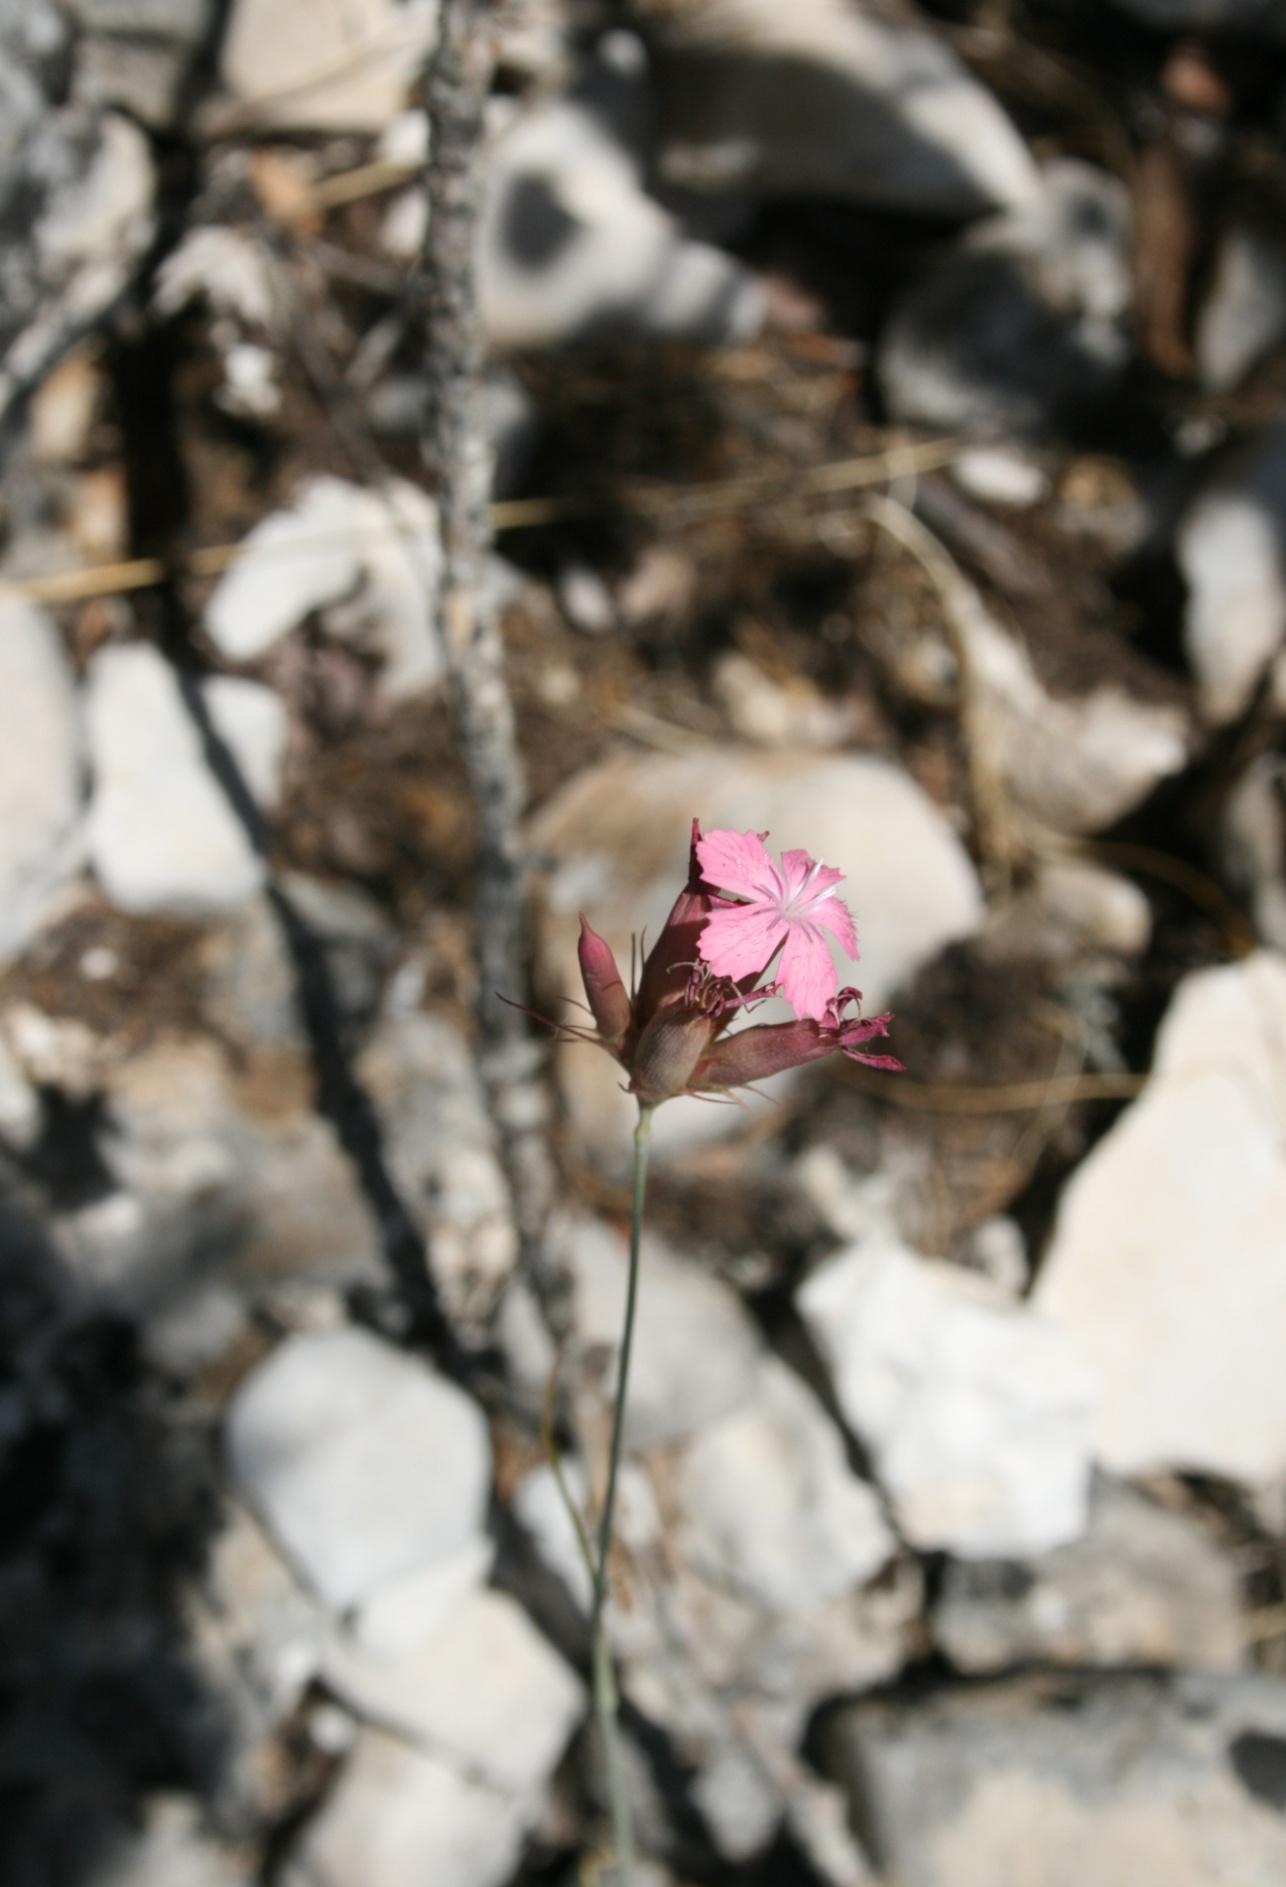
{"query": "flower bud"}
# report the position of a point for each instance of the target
(604, 989)
(668, 1051)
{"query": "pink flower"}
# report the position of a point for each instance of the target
(788, 907)
(670, 1034)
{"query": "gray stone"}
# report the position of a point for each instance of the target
(294, 66)
(251, 977)
(484, 1691)
(441, 1149)
(223, 1196)
(40, 771)
(1231, 552)
(1251, 845)
(770, 1506)
(368, 559)
(139, 57)
(1170, 1230)
(616, 840)
(977, 1413)
(571, 248)
(823, 99)
(172, 1849)
(1019, 326)
(400, 1818)
(1076, 763)
(76, 190)
(1133, 1780)
(163, 833)
(1143, 1587)
(363, 1464)
(1243, 318)
(696, 1350)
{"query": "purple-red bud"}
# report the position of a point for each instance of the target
(604, 990)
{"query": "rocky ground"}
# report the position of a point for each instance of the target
(888, 408)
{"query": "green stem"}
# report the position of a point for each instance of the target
(606, 1701)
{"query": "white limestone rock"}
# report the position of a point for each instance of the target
(484, 1690)
(1076, 763)
(1251, 844)
(363, 1464)
(1243, 318)
(295, 66)
(823, 99)
(40, 771)
(1165, 1265)
(616, 841)
(770, 1505)
(976, 1412)
(440, 1143)
(163, 834)
(1229, 549)
(1143, 1588)
(398, 1817)
(696, 1350)
(1038, 1783)
(369, 560)
(571, 247)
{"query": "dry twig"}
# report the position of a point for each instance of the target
(455, 443)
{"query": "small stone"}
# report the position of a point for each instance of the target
(1019, 327)
(696, 1350)
(1170, 1230)
(1144, 1780)
(771, 1506)
(362, 1463)
(997, 477)
(1142, 1588)
(485, 1691)
(63, 408)
(1071, 907)
(824, 100)
(1252, 844)
(1229, 552)
(585, 600)
(400, 1818)
(440, 1145)
(976, 1412)
(1077, 763)
(163, 833)
(172, 1849)
(40, 766)
(350, 68)
(369, 559)
(1243, 318)
(227, 269)
(571, 247)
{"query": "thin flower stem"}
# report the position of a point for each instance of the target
(606, 1701)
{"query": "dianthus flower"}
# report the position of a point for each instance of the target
(736, 914)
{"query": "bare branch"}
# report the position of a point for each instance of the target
(455, 444)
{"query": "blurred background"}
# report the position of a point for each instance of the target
(888, 413)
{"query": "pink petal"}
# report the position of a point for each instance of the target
(834, 915)
(806, 976)
(802, 873)
(739, 941)
(738, 863)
